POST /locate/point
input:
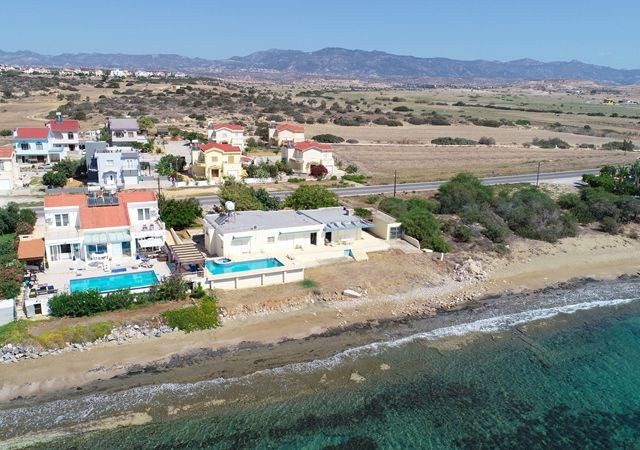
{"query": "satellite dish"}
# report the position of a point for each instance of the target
(230, 206)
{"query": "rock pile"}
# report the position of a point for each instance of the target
(12, 353)
(469, 270)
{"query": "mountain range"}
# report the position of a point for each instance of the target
(336, 63)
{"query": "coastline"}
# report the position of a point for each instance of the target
(260, 342)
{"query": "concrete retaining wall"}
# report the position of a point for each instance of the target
(261, 278)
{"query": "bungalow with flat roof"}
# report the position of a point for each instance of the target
(65, 133)
(101, 225)
(9, 170)
(244, 232)
(34, 145)
(215, 162)
(226, 133)
(125, 131)
(285, 133)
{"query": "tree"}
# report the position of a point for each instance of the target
(54, 179)
(318, 171)
(71, 168)
(262, 131)
(104, 134)
(179, 214)
(328, 138)
(311, 197)
(269, 202)
(463, 190)
(425, 227)
(146, 122)
(170, 164)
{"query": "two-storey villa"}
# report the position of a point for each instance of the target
(9, 171)
(125, 131)
(65, 133)
(303, 155)
(34, 145)
(101, 225)
(226, 133)
(112, 166)
(285, 133)
(215, 161)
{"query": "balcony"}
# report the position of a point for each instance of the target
(156, 225)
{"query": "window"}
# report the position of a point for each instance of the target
(24, 146)
(271, 240)
(1, 165)
(131, 134)
(232, 159)
(38, 145)
(214, 159)
(62, 220)
(69, 135)
(144, 214)
(109, 162)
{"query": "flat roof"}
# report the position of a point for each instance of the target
(258, 220)
(334, 218)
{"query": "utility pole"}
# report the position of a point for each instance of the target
(538, 174)
(158, 185)
(395, 181)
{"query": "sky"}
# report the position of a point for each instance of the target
(591, 31)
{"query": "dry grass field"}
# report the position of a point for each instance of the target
(422, 163)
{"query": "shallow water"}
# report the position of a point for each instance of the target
(558, 369)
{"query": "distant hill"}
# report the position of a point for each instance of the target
(338, 63)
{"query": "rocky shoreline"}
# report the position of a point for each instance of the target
(12, 353)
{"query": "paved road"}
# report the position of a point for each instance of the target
(572, 177)
(208, 202)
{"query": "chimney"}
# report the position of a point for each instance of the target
(58, 117)
(272, 124)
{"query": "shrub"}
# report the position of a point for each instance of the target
(420, 203)
(6, 132)
(462, 233)
(568, 201)
(191, 318)
(523, 122)
(495, 232)
(487, 141)
(318, 171)
(60, 336)
(463, 190)
(351, 168)
(625, 145)
(387, 122)
(550, 143)
(590, 146)
(54, 179)
(328, 138)
(177, 213)
(363, 212)
(610, 225)
(393, 206)
(425, 227)
(308, 283)
(351, 141)
(402, 109)
(359, 178)
(14, 332)
(453, 141)
(171, 289)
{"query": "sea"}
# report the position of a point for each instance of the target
(558, 368)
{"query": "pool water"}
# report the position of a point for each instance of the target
(242, 266)
(114, 282)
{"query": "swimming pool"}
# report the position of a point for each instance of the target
(242, 266)
(114, 282)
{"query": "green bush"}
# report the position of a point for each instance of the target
(420, 203)
(179, 213)
(625, 145)
(328, 138)
(463, 190)
(393, 206)
(453, 141)
(425, 227)
(203, 316)
(14, 332)
(351, 168)
(462, 233)
(550, 143)
(610, 225)
(171, 289)
(356, 178)
(568, 201)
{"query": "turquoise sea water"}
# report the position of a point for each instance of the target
(115, 282)
(242, 266)
(562, 375)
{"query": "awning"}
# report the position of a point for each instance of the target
(30, 249)
(95, 239)
(119, 236)
(347, 225)
(186, 254)
(296, 233)
(150, 242)
(239, 239)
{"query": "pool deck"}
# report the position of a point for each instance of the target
(61, 273)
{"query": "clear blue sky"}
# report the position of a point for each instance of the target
(588, 30)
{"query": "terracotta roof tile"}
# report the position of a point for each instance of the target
(290, 127)
(224, 148)
(32, 133)
(308, 145)
(66, 125)
(30, 249)
(228, 126)
(6, 152)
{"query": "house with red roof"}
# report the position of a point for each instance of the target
(9, 170)
(303, 155)
(101, 225)
(226, 133)
(65, 133)
(34, 145)
(285, 133)
(215, 162)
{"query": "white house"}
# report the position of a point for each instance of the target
(303, 155)
(285, 133)
(65, 134)
(9, 170)
(125, 131)
(33, 145)
(112, 166)
(245, 232)
(101, 225)
(226, 133)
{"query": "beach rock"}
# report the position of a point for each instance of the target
(357, 378)
(351, 293)
(384, 367)
(323, 378)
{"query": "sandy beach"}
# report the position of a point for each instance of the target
(531, 265)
